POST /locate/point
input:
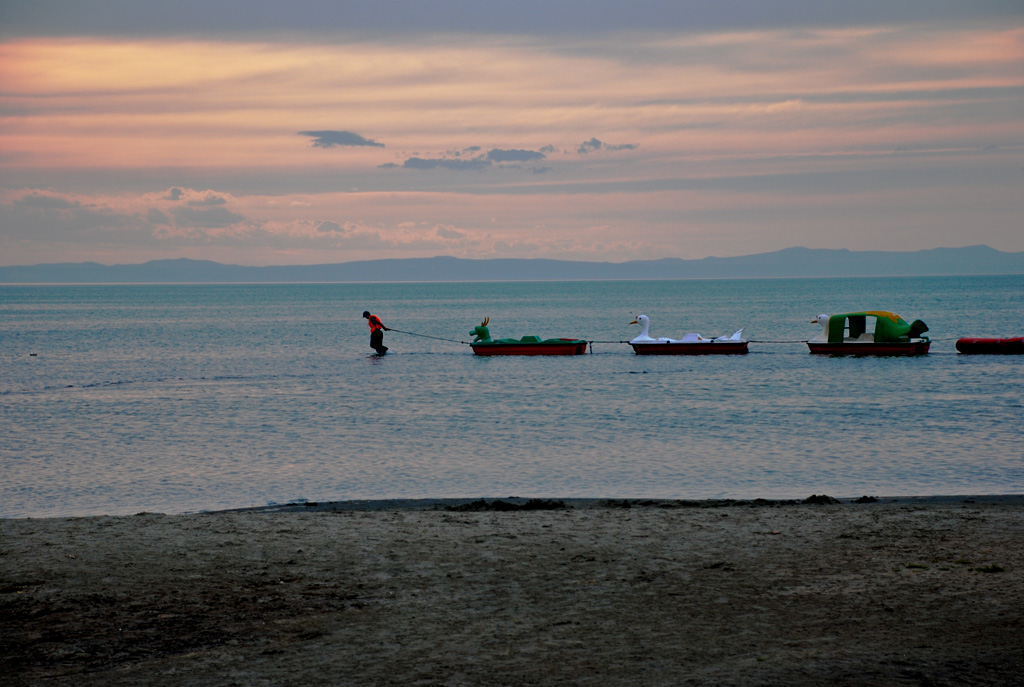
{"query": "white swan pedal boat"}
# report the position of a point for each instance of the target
(690, 344)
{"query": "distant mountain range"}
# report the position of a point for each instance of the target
(791, 262)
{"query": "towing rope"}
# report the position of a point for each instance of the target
(427, 336)
(626, 341)
(748, 341)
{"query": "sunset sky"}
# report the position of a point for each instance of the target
(255, 132)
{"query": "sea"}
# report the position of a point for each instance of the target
(121, 399)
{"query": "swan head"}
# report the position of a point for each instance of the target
(645, 323)
(642, 320)
(823, 321)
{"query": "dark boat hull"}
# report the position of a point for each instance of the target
(550, 347)
(1007, 346)
(699, 348)
(852, 348)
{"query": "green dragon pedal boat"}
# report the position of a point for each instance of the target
(484, 345)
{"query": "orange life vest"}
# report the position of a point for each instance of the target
(374, 323)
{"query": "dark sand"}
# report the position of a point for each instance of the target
(898, 592)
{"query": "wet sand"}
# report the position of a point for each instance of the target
(895, 592)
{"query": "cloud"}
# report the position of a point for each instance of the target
(495, 156)
(498, 155)
(152, 222)
(43, 216)
(174, 194)
(210, 218)
(46, 202)
(328, 227)
(447, 233)
(210, 200)
(593, 145)
(73, 17)
(154, 216)
(473, 165)
(332, 139)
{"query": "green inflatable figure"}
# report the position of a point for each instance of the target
(481, 332)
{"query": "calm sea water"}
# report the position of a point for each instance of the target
(120, 399)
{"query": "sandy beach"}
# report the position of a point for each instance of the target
(517, 592)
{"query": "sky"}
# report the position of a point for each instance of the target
(267, 133)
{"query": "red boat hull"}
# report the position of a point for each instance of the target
(1008, 346)
(557, 347)
(912, 348)
(709, 348)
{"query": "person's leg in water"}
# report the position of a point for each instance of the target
(377, 341)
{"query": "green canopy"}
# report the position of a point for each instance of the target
(889, 327)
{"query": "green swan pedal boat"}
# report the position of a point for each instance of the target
(873, 332)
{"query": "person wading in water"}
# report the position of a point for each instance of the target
(377, 330)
